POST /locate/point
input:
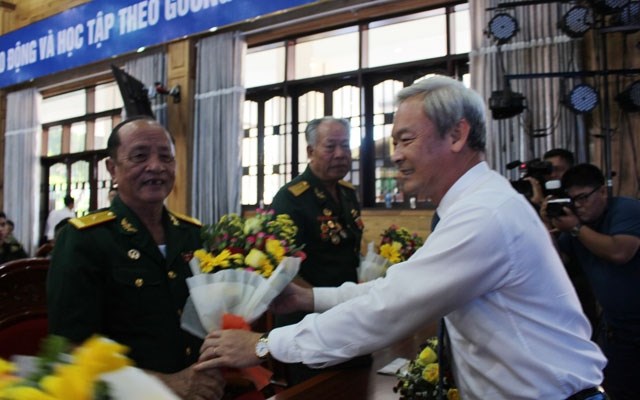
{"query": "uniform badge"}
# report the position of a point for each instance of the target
(126, 225)
(359, 223)
(319, 194)
(330, 228)
(133, 254)
(174, 220)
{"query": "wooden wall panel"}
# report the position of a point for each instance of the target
(29, 11)
(179, 72)
(376, 221)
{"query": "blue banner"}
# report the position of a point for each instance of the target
(105, 28)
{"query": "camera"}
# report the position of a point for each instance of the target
(535, 168)
(555, 207)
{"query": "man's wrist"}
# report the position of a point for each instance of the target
(262, 346)
(575, 231)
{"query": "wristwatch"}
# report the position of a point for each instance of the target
(575, 231)
(262, 346)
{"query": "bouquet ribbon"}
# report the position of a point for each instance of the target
(260, 376)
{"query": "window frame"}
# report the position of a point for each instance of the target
(454, 65)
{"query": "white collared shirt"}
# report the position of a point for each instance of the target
(515, 323)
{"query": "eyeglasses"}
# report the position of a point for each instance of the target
(581, 198)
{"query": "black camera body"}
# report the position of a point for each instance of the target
(555, 207)
(535, 168)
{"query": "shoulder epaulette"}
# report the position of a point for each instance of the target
(346, 184)
(186, 218)
(299, 188)
(94, 219)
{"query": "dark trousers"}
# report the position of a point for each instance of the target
(622, 373)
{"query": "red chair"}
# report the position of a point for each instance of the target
(23, 306)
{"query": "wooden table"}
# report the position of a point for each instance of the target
(359, 383)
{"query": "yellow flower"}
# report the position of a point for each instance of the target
(98, 355)
(208, 262)
(69, 382)
(255, 258)
(24, 393)
(431, 373)
(252, 226)
(267, 269)
(452, 394)
(260, 262)
(427, 356)
(6, 367)
(7, 380)
(274, 247)
(391, 252)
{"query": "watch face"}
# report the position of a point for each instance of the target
(262, 349)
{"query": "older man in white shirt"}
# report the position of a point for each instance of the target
(490, 269)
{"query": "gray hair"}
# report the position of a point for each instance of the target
(311, 131)
(445, 102)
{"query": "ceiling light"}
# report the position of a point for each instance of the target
(628, 16)
(576, 22)
(629, 99)
(582, 99)
(609, 6)
(506, 103)
(503, 27)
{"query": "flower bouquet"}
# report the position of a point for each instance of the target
(396, 245)
(419, 380)
(96, 370)
(244, 265)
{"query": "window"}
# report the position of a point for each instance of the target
(326, 54)
(64, 106)
(420, 37)
(271, 61)
(75, 129)
(352, 73)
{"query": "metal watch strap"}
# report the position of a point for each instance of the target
(575, 231)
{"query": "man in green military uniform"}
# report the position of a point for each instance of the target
(120, 272)
(9, 249)
(327, 212)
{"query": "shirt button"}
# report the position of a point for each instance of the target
(139, 282)
(187, 351)
(172, 275)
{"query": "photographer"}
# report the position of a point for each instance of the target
(603, 235)
(556, 163)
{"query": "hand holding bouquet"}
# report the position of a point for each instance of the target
(245, 264)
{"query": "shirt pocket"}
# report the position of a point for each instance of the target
(137, 291)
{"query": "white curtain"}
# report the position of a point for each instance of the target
(150, 69)
(538, 47)
(22, 166)
(217, 173)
